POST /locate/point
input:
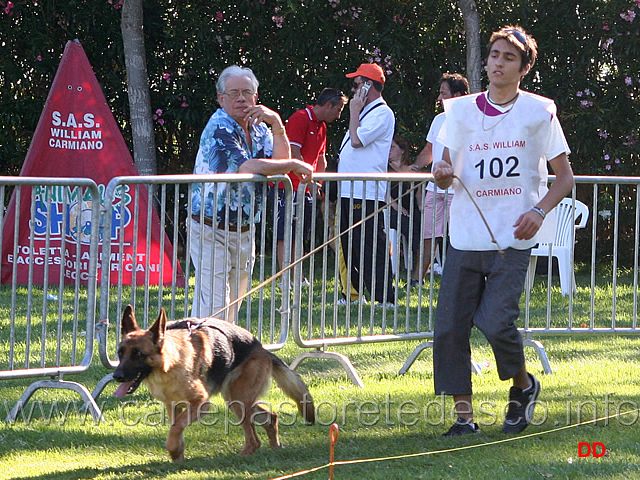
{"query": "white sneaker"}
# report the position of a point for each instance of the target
(304, 283)
(437, 269)
(361, 300)
(386, 305)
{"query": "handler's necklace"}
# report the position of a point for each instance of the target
(503, 115)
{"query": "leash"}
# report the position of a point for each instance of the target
(355, 225)
(192, 325)
(486, 224)
(314, 251)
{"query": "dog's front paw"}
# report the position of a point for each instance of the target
(177, 456)
(249, 448)
(176, 449)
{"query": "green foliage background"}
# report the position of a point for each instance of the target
(589, 53)
(589, 64)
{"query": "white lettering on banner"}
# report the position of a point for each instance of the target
(68, 260)
(39, 260)
(42, 251)
(71, 134)
(75, 145)
(73, 275)
(128, 267)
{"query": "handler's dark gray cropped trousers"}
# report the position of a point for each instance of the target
(481, 289)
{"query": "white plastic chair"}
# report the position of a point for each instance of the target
(392, 235)
(567, 223)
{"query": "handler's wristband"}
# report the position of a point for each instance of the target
(278, 132)
(539, 211)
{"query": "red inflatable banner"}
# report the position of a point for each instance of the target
(77, 136)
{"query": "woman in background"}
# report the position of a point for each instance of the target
(405, 201)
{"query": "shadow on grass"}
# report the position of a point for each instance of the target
(125, 472)
(265, 463)
(410, 452)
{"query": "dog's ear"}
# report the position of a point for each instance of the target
(158, 328)
(128, 323)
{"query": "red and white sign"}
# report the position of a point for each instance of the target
(77, 136)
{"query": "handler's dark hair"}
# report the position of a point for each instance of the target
(516, 36)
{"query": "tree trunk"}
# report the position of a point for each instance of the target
(472, 33)
(144, 148)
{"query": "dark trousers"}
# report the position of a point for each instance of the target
(479, 289)
(368, 262)
(410, 228)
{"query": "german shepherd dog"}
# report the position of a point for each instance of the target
(186, 361)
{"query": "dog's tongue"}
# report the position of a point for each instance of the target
(122, 389)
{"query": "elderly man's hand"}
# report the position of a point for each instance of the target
(304, 171)
(260, 113)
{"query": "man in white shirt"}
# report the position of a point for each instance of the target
(365, 149)
(498, 144)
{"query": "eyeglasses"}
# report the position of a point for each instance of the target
(237, 93)
(521, 37)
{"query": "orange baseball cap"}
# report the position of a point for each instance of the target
(369, 70)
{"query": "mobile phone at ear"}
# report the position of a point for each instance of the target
(364, 90)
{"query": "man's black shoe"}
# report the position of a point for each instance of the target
(521, 406)
(461, 427)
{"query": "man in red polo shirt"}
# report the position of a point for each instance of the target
(307, 132)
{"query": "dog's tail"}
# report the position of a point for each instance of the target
(293, 386)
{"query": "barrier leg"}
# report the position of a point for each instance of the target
(542, 353)
(342, 359)
(84, 393)
(104, 381)
(423, 346)
(414, 356)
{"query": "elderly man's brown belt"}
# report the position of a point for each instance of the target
(232, 228)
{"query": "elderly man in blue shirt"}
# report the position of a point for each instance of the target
(240, 137)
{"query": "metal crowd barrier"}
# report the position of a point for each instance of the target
(44, 335)
(321, 320)
(329, 314)
(265, 312)
(49, 261)
(614, 204)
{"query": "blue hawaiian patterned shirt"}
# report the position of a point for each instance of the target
(223, 148)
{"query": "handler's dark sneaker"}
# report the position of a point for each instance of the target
(461, 427)
(521, 406)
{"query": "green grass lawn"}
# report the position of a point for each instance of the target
(594, 377)
(395, 421)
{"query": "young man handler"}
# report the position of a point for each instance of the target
(498, 145)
